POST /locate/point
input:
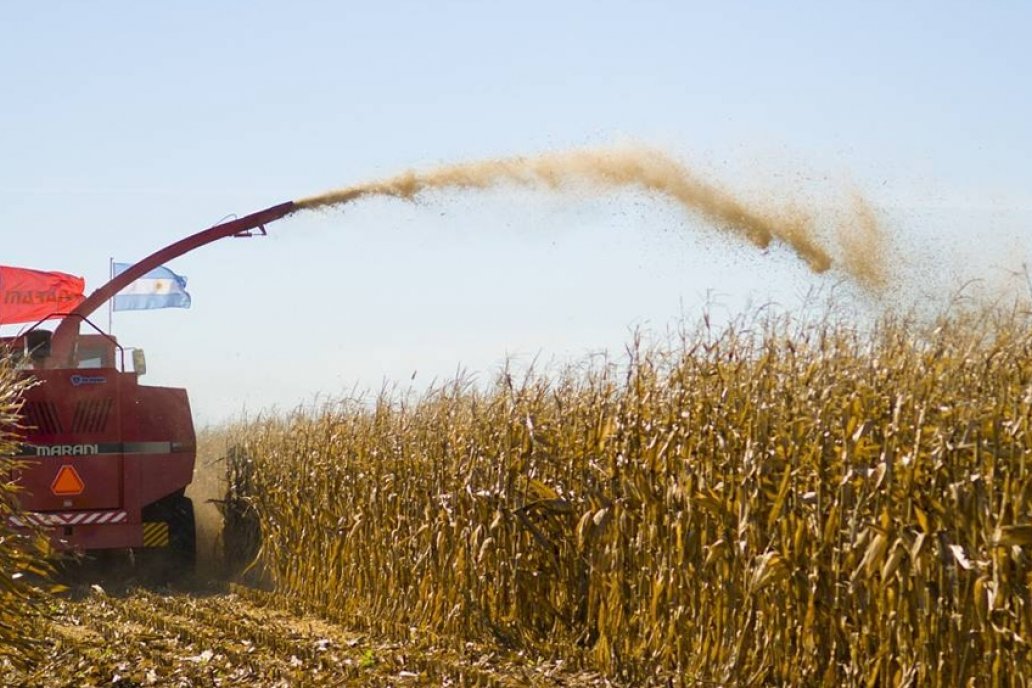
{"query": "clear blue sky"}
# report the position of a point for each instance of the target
(128, 125)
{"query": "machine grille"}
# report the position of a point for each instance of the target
(91, 415)
(42, 417)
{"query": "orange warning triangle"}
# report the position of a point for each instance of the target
(67, 483)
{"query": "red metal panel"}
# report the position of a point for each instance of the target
(101, 477)
(99, 537)
(73, 417)
(153, 471)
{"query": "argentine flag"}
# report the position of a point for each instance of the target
(159, 288)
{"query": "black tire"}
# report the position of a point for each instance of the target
(182, 536)
(176, 563)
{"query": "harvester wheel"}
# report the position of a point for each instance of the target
(176, 560)
(182, 536)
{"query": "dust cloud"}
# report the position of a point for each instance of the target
(656, 172)
(865, 245)
(209, 487)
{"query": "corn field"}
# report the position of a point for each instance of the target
(22, 554)
(774, 501)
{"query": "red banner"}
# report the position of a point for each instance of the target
(27, 296)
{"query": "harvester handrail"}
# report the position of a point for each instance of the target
(68, 328)
(82, 318)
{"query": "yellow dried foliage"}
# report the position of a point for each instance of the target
(776, 502)
(23, 562)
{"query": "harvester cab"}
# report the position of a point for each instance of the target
(105, 461)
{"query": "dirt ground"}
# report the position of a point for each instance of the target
(237, 636)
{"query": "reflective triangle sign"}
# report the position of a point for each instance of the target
(67, 483)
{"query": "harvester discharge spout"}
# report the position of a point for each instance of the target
(64, 336)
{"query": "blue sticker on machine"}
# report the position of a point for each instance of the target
(78, 380)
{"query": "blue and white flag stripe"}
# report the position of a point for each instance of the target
(159, 288)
